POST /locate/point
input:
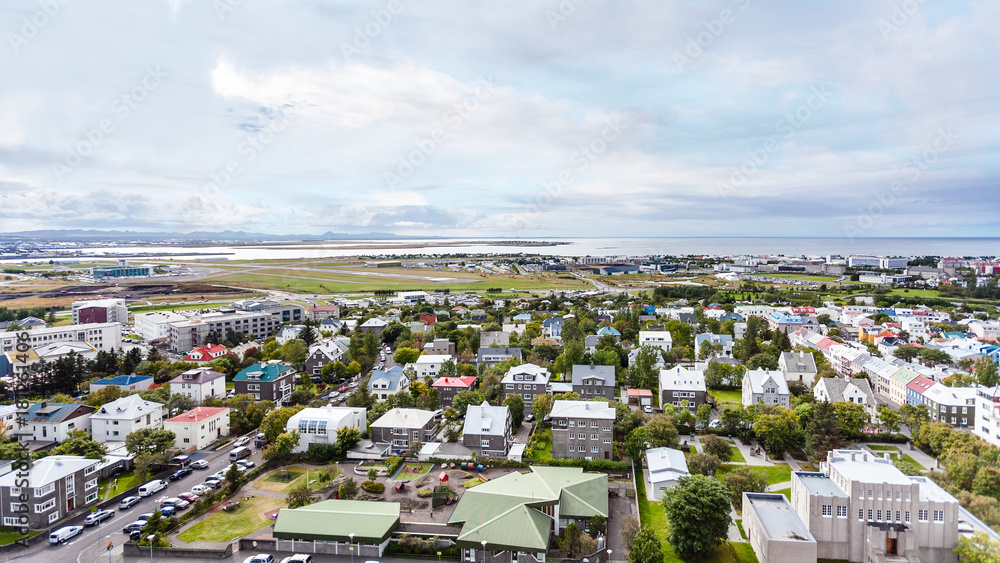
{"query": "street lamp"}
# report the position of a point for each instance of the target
(351, 548)
(151, 537)
(439, 557)
(484, 550)
(609, 556)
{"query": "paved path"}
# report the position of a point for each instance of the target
(753, 459)
(778, 486)
(923, 459)
(791, 462)
(734, 531)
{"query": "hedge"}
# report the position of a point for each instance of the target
(395, 463)
(372, 487)
(886, 437)
(324, 453)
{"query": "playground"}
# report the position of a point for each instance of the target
(431, 493)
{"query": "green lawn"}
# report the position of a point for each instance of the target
(906, 457)
(421, 468)
(9, 535)
(780, 473)
(739, 524)
(743, 552)
(224, 526)
(786, 492)
(727, 396)
(276, 476)
(884, 448)
(737, 455)
(125, 481)
(806, 466)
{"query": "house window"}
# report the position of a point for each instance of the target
(827, 510)
(939, 516)
(91, 498)
(484, 443)
(897, 517)
(53, 517)
(90, 484)
(861, 514)
(594, 437)
(907, 516)
(42, 491)
(878, 515)
(594, 424)
(594, 449)
(922, 515)
(581, 436)
(870, 515)
(572, 424)
(47, 505)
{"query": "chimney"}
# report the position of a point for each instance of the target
(887, 457)
(852, 456)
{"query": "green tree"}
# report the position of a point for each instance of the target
(987, 482)
(824, 431)
(663, 431)
(980, 548)
(372, 474)
(703, 464)
(719, 447)
(638, 441)
(598, 525)
(274, 423)
(888, 418)
(348, 489)
(704, 413)
(147, 440)
(347, 438)
(743, 479)
(294, 352)
(80, 443)
(308, 334)
(570, 544)
(541, 406)
(777, 430)
(914, 416)
(282, 446)
(698, 512)
(645, 547)
(300, 495)
(463, 399)
(234, 479)
(906, 352)
(642, 374)
(853, 418)
(405, 356)
(986, 372)
(515, 404)
(763, 361)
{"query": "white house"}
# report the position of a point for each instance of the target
(381, 383)
(199, 427)
(658, 338)
(798, 366)
(50, 422)
(320, 425)
(838, 390)
(199, 384)
(665, 467)
(428, 365)
(765, 386)
(117, 419)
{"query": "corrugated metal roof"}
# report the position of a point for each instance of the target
(520, 528)
(335, 520)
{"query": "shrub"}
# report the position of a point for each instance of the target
(372, 487)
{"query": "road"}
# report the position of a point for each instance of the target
(91, 545)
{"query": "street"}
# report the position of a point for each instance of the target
(91, 545)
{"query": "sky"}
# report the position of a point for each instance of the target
(522, 119)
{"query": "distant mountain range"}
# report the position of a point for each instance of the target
(195, 236)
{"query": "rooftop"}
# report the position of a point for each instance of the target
(777, 519)
(198, 414)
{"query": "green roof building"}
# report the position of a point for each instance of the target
(333, 521)
(515, 514)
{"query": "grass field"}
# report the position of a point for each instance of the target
(793, 276)
(224, 526)
(737, 455)
(273, 481)
(472, 483)
(884, 448)
(420, 468)
(125, 481)
(779, 473)
(787, 492)
(728, 396)
(806, 466)
(9, 535)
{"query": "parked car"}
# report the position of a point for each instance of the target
(298, 558)
(136, 526)
(201, 489)
(176, 502)
(259, 558)
(214, 483)
(716, 423)
(168, 511)
(128, 502)
(190, 497)
(529, 418)
(98, 517)
(65, 533)
(180, 473)
(145, 516)
(647, 409)
(246, 463)
(199, 464)
(242, 441)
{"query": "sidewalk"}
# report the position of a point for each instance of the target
(920, 457)
(752, 459)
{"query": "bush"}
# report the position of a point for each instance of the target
(372, 487)
(395, 463)
(424, 493)
(888, 438)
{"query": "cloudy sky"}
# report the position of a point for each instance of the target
(506, 118)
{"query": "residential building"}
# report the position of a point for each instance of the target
(491, 339)
(448, 387)
(552, 326)
(271, 381)
(382, 383)
(798, 366)
(193, 332)
(594, 381)
(428, 365)
(897, 385)
(402, 427)
(206, 353)
(915, 389)
(199, 427)
(322, 312)
(374, 326)
(127, 383)
(100, 311)
(664, 467)
(775, 532)
(156, 325)
(441, 346)
(488, 430)
(283, 312)
(839, 389)
(102, 336)
(987, 424)
(517, 514)
(199, 384)
(679, 384)
(13, 362)
(287, 333)
(526, 380)
(322, 353)
(491, 356)
(861, 508)
(724, 343)
(52, 422)
(582, 429)
(114, 421)
(951, 405)
(658, 338)
(60, 486)
(320, 425)
(765, 386)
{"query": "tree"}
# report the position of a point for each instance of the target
(80, 443)
(703, 464)
(645, 547)
(348, 489)
(906, 352)
(541, 405)
(104, 396)
(598, 525)
(932, 357)
(853, 418)
(719, 447)
(741, 480)
(630, 529)
(308, 334)
(347, 438)
(234, 478)
(980, 548)
(888, 418)
(570, 544)
(662, 431)
(300, 495)
(638, 441)
(294, 352)
(723, 376)
(698, 512)
(515, 404)
(704, 413)
(275, 421)
(405, 356)
(642, 374)
(914, 416)
(147, 440)
(777, 430)
(823, 432)
(282, 446)
(763, 360)
(986, 372)
(987, 482)
(372, 474)
(463, 399)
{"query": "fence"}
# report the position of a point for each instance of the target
(130, 549)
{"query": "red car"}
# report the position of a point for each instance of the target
(190, 497)
(342, 388)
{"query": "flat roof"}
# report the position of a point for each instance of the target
(819, 484)
(859, 465)
(777, 519)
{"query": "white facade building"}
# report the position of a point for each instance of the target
(320, 425)
(102, 336)
(659, 338)
(765, 386)
(199, 384)
(117, 419)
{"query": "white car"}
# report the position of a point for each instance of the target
(647, 409)
(716, 423)
(298, 558)
(65, 533)
(98, 517)
(259, 558)
(201, 489)
(242, 441)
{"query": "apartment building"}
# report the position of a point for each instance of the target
(488, 430)
(582, 429)
(156, 325)
(114, 421)
(680, 384)
(658, 338)
(99, 311)
(987, 424)
(60, 485)
(402, 427)
(951, 405)
(192, 332)
(526, 380)
(199, 427)
(102, 336)
(594, 381)
(199, 384)
(765, 386)
(448, 387)
(271, 381)
(52, 422)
